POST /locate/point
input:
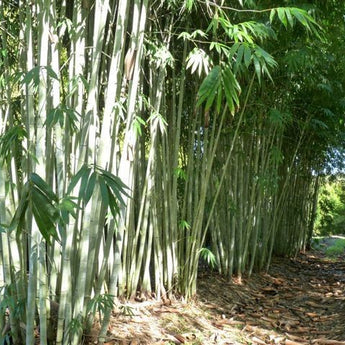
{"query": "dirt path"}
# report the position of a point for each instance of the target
(300, 301)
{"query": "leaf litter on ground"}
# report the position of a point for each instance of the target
(299, 301)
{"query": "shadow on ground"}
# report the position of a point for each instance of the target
(300, 301)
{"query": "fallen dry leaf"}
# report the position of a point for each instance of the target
(291, 342)
(323, 341)
(287, 306)
(180, 338)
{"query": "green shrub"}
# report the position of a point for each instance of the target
(338, 248)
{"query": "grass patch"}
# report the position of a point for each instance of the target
(338, 248)
(331, 246)
(175, 323)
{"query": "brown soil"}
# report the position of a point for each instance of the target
(300, 301)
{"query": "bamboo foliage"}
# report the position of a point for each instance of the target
(131, 149)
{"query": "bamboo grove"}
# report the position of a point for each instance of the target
(139, 137)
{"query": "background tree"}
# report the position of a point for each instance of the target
(331, 210)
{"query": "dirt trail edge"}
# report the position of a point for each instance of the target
(300, 301)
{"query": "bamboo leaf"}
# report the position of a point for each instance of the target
(289, 17)
(114, 209)
(51, 73)
(67, 207)
(228, 97)
(239, 57)
(75, 326)
(208, 257)
(189, 5)
(157, 117)
(272, 14)
(11, 137)
(137, 123)
(257, 67)
(74, 83)
(287, 14)
(19, 215)
(54, 116)
(73, 118)
(197, 33)
(220, 48)
(301, 16)
(212, 95)
(32, 76)
(233, 50)
(266, 57)
(266, 71)
(318, 124)
(45, 203)
(114, 188)
(282, 16)
(104, 190)
(83, 173)
(213, 24)
(116, 182)
(184, 35)
(199, 61)
(184, 225)
(45, 213)
(207, 90)
(247, 56)
(43, 186)
(231, 88)
(90, 186)
(101, 303)
(276, 117)
(84, 184)
(60, 114)
(180, 173)
(276, 155)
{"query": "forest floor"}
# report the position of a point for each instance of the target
(300, 301)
